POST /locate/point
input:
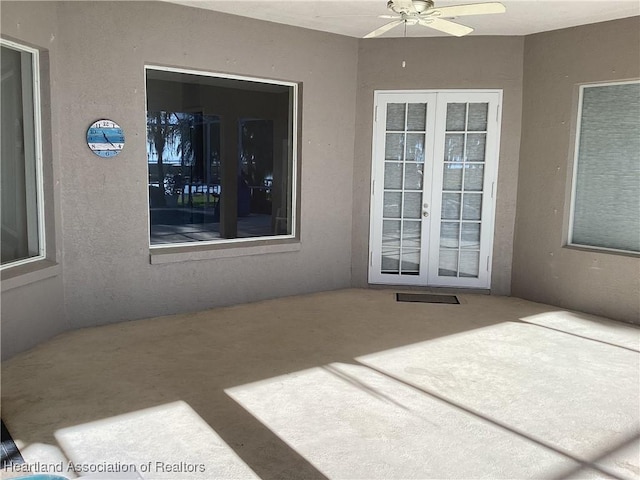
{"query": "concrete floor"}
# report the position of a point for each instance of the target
(345, 384)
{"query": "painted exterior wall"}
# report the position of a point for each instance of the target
(102, 271)
(555, 63)
(32, 298)
(441, 63)
(98, 51)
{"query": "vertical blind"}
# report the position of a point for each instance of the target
(606, 204)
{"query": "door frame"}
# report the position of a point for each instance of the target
(431, 230)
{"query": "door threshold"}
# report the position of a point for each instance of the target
(428, 289)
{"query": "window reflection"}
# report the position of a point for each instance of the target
(222, 170)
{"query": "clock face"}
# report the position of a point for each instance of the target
(105, 138)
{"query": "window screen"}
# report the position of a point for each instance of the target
(20, 212)
(220, 157)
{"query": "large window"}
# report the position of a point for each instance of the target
(221, 157)
(606, 184)
(22, 237)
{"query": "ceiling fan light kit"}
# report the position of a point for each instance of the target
(426, 14)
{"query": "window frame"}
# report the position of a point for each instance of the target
(574, 171)
(226, 243)
(38, 153)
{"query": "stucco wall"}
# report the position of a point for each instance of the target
(32, 313)
(555, 63)
(441, 63)
(99, 53)
(102, 273)
(32, 298)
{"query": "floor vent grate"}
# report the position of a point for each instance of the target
(427, 298)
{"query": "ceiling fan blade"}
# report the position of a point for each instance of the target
(347, 15)
(384, 29)
(461, 10)
(446, 26)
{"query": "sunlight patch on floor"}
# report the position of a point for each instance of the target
(595, 328)
(512, 400)
(577, 395)
(165, 442)
(351, 422)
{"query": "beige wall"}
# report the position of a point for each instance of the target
(441, 63)
(103, 274)
(555, 63)
(98, 51)
(32, 298)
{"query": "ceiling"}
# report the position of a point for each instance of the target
(356, 18)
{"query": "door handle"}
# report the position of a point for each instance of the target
(425, 213)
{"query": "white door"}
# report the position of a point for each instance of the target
(435, 159)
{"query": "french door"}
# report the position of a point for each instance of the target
(435, 161)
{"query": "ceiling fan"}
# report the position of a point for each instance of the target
(423, 12)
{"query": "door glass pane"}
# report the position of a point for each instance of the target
(478, 116)
(473, 177)
(472, 206)
(411, 234)
(413, 176)
(391, 260)
(403, 187)
(454, 147)
(411, 262)
(415, 147)
(449, 234)
(392, 175)
(412, 204)
(470, 235)
(448, 264)
(456, 117)
(391, 233)
(466, 150)
(394, 147)
(452, 177)
(476, 147)
(469, 264)
(451, 206)
(392, 204)
(417, 118)
(395, 116)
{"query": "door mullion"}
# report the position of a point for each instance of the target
(402, 189)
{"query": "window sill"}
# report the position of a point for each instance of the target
(28, 273)
(606, 251)
(162, 255)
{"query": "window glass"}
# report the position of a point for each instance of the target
(606, 198)
(20, 212)
(220, 154)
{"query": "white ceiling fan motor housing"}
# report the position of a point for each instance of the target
(422, 5)
(419, 6)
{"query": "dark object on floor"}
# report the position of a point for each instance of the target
(426, 298)
(9, 453)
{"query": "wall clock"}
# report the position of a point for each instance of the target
(105, 138)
